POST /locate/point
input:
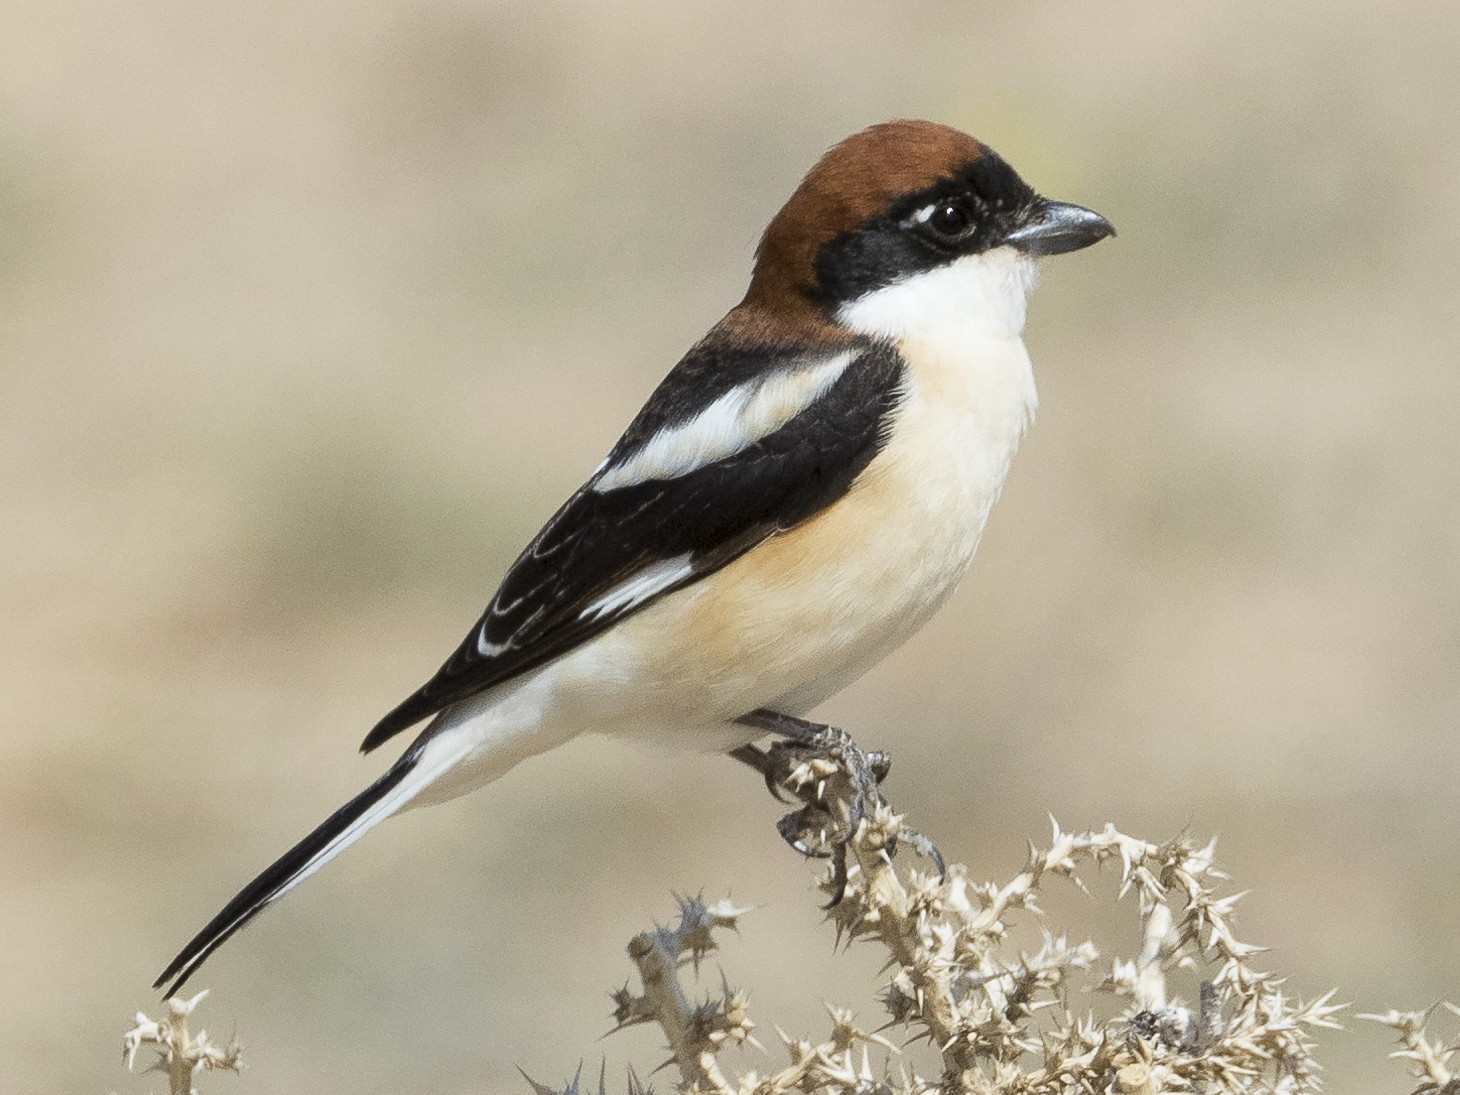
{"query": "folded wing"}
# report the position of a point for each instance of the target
(732, 447)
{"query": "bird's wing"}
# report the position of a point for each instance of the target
(732, 448)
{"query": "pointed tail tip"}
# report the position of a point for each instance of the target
(171, 980)
(334, 835)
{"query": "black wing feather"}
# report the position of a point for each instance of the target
(714, 513)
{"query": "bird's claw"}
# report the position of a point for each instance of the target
(925, 848)
(837, 785)
(790, 828)
(829, 816)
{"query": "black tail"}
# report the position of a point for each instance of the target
(343, 828)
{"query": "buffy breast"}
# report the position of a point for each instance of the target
(813, 608)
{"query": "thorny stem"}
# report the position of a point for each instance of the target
(1150, 985)
(658, 961)
(1431, 1060)
(932, 989)
(182, 1053)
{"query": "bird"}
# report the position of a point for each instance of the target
(797, 497)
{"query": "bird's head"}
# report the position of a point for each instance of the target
(908, 223)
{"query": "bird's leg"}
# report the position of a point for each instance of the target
(809, 756)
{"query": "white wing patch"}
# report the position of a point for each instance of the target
(735, 421)
(643, 585)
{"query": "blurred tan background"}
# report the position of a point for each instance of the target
(309, 315)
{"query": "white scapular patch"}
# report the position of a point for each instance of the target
(987, 291)
(734, 422)
(643, 585)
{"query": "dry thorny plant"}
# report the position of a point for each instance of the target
(1431, 1061)
(999, 1021)
(180, 1053)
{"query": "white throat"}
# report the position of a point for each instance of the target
(985, 293)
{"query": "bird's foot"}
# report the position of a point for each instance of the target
(838, 787)
(821, 767)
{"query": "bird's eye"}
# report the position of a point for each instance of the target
(946, 221)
